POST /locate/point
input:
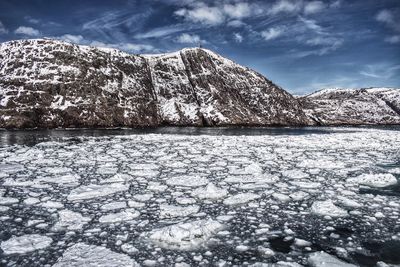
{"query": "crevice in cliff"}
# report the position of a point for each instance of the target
(393, 107)
(204, 121)
(153, 89)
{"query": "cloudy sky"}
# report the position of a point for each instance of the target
(301, 45)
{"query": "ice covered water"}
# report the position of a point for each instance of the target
(305, 197)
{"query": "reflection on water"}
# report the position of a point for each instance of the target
(32, 137)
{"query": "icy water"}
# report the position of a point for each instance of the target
(200, 197)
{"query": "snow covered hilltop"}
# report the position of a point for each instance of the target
(47, 84)
(353, 106)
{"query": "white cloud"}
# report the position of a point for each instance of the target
(236, 23)
(272, 33)
(381, 71)
(313, 7)
(28, 31)
(390, 18)
(3, 29)
(218, 13)
(395, 39)
(186, 38)
(76, 39)
(385, 16)
(285, 6)
(238, 37)
(128, 47)
(131, 47)
(238, 10)
(324, 40)
(161, 31)
(336, 4)
(32, 20)
(202, 14)
(312, 25)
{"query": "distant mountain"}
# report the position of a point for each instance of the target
(50, 84)
(353, 106)
(47, 84)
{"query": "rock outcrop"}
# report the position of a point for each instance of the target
(49, 84)
(366, 106)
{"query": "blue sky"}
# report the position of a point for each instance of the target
(300, 45)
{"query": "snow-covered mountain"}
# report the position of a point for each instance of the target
(48, 83)
(353, 106)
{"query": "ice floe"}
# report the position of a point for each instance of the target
(323, 259)
(187, 181)
(25, 243)
(126, 215)
(82, 254)
(327, 208)
(241, 198)
(374, 180)
(172, 211)
(210, 191)
(96, 190)
(70, 220)
(185, 236)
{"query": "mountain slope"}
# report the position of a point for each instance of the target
(353, 106)
(47, 83)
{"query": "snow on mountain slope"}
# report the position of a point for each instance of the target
(175, 97)
(353, 106)
(231, 94)
(47, 83)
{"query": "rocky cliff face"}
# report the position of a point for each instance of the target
(353, 106)
(48, 84)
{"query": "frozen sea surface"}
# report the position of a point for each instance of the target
(200, 197)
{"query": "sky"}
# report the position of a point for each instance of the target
(300, 45)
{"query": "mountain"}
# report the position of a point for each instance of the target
(48, 84)
(353, 106)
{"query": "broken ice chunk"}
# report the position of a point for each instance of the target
(241, 198)
(327, 208)
(82, 254)
(210, 192)
(172, 211)
(71, 220)
(374, 180)
(126, 215)
(185, 236)
(187, 181)
(25, 243)
(321, 259)
(95, 190)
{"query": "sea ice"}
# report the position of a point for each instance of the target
(327, 208)
(25, 243)
(71, 220)
(126, 215)
(8, 200)
(172, 211)
(374, 180)
(114, 205)
(95, 190)
(187, 181)
(323, 259)
(210, 192)
(185, 236)
(241, 198)
(81, 254)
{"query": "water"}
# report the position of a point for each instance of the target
(200, 196)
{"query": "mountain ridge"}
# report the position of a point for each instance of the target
(48, 83)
